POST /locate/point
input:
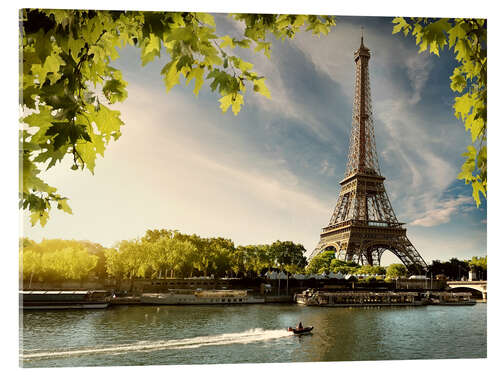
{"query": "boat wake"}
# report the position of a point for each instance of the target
(246, 337)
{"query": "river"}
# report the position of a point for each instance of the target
(150, 335)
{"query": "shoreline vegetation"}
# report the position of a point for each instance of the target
(162, 254)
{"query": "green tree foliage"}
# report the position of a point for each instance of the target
(68, 85)
(321, 262)
(453, 269)
(479, 266)
(467, 37)
(396, 270)
(167, 253)
(343, 267)
(370, 270)
(479, 263)
(288, 256)
(57, 260)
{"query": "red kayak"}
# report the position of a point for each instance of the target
(300, 331)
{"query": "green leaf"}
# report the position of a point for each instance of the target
(180, 33)
(39, 216)
(197, 74)
(107, 121)
(225, 102)
(463, 105)
(171, 74)
(260, 87)
(455, 33)
(49, 68)
(42, 120)
(206, 18)
(151, 49)
(458, 81)
(63, 205)
(227, 41)
(266, 46)
(476, 188)
(237, 103)
(234, 100)
(114, 90)
(477, 128)
(400, 23)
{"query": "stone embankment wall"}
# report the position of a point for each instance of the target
(274, 287)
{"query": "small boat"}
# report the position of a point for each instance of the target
(300, 331)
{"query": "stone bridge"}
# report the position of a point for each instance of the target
(476, 285)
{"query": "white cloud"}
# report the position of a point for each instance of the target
(280, 102)
(334, 55)
(418, 69)
(442, 212)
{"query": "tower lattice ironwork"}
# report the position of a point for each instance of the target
(363, 224)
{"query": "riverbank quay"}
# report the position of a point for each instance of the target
(258, 285)
(264, 290)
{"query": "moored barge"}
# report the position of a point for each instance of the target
(203, 297)
(382, 298)
(344, 299)
(449, 298)
(63, 299)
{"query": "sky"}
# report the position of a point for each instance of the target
(273, 172)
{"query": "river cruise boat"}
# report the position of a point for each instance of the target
(63, 299)
(450, 298)
(354, 298)
(200, 297)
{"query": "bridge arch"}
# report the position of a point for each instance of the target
(472, 287)
(476, 293)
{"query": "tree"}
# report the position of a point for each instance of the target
(479, 265)
(345, 268)
(238, 260)
(115, 265)
(57, 260)
(264, 259)
(321, 263)
(288, 256)
(133, 259)
(67, 83)
(30, 265)
(370, 270)
(468, 38)
(396, 270)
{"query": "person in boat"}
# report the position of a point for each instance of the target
(299, 326)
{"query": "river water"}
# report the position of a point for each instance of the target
(150, 335)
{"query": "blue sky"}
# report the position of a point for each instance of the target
(273, 171)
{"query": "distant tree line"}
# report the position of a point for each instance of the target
(455, 269)
(452, 269)
(55, 260)
(169, 253)
(159, 253)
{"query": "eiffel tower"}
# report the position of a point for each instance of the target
(363, 224)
